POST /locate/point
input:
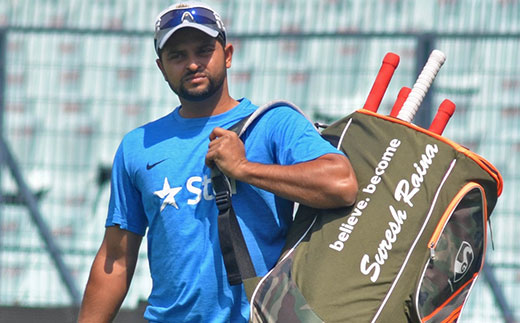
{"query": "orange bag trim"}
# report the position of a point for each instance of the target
(451, 207)
(482, 162)
(458, 309)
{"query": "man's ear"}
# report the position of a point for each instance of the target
(160, 66)
(228, 52)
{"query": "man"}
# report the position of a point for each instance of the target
(161, 182)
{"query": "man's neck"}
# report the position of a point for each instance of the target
(216, 104)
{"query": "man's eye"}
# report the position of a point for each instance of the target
(207, 50)
(175, 56)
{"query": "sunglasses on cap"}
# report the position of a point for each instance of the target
(201, 18)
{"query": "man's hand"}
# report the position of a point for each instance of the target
(226, 151)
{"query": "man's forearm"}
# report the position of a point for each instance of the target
(110, 275)
(104, 294)
(326, 182)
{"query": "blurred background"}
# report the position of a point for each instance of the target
(76, 75)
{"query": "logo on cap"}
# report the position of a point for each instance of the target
(187, 14)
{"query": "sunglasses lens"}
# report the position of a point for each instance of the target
(198, 15)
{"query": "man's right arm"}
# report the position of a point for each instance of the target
(110, 276)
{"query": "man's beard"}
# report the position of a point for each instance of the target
(215, 84)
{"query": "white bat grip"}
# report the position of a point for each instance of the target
(421, 86)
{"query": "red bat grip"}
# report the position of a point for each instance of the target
(390, 62)
(401, 97)
(442, 117)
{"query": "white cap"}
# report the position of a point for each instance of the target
(206, 20)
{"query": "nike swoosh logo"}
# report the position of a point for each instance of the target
(150, 166)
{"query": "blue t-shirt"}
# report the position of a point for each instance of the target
(160, 183)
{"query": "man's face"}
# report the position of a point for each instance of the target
(194, 64)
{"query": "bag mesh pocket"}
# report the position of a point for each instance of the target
(457, 252)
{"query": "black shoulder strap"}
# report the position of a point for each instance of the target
(237, 260)
(236, 256)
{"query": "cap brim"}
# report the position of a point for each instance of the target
(186, 24)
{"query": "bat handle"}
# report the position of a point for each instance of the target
(390, 63)
(444, 113)
(401, 97)
(422, 85)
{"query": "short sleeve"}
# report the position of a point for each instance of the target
(125, 207)
(294, 138)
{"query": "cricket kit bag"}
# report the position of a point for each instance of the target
(410, 248)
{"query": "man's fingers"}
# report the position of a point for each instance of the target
(218, 132)
(225, 150)
(209, 160)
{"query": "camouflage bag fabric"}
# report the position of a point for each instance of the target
(408, 250)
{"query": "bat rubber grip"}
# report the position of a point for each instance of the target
(390, 63)
(446, 110)
(421, 86)
(401, 97)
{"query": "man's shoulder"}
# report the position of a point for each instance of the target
(283, 114)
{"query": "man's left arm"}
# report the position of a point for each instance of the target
(325, 182)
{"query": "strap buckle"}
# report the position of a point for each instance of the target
(223, 201)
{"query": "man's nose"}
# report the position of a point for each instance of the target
(193, 64)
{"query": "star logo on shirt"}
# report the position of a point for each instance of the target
(168, 194)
